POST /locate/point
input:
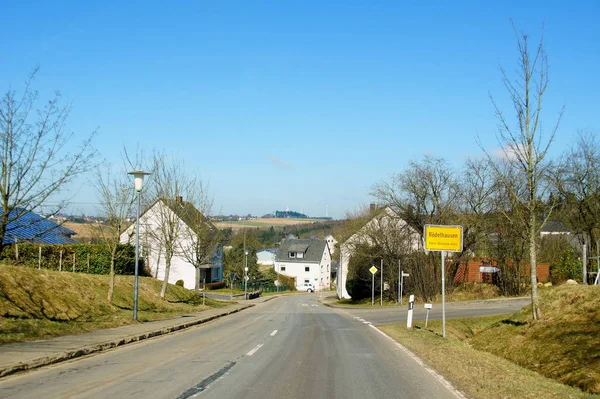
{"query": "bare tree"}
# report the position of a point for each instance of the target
(36, 152)
(424, 193)
(199, 239)
(427, 192)
(524, 146)
(170, 184)
(117, 199)
(577, 181)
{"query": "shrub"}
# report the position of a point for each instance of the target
(568, 267)
(179, 283)
(215, 286)
(98, 255)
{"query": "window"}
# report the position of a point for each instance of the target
(327, 268)
(300, 255)
(306, 281)
(306, 268)
(282, 268)
(292, 254)
(321, 267)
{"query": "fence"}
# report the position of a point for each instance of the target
(77, 258)
(265, 288)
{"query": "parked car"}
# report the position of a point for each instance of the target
(308, 287)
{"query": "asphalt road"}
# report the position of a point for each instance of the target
(292, 347)
(388, 315)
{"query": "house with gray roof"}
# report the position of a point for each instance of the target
(308, 261)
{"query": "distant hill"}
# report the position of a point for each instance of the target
(290, 214)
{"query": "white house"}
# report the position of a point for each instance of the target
(181, 215)
(309, 261)
(331, 241)
(266, 256)
(385, 225)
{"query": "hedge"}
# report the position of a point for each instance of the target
(98, 255)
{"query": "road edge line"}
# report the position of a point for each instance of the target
(431, 371)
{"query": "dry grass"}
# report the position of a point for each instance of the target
(563, 345)
(513, 356)
(84, 232)
(266, 222)
(477, 374)
(37, 304)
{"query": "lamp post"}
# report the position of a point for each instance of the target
(138, 181)
(246, 275)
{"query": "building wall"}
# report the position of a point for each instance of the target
(331, 242)
(265, 258)
(151, 249)
(319, 274)
(389, 222)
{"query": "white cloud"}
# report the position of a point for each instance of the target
(280, 163)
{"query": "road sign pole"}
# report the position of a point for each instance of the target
(443, 296)
(373, 291)
(399, 283)
(381, 289)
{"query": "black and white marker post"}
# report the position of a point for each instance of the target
(411, 305)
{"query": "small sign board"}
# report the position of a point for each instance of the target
(373, 270)
(443, 238)
(277, 283)
(405, 274)
(428, 306)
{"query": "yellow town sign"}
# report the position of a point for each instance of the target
(443, 238)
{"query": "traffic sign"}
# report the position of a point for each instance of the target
(443, 238)
(247, 278)
(373, 270)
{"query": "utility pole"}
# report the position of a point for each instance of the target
(381, 289)
(584, 264)
(399, 283)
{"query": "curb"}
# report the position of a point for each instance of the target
(95, 348)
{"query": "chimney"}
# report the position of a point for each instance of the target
(372, 207)
(179, 199)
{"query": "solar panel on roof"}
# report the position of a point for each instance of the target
(35, 228)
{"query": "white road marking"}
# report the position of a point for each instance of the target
(366, 322)
(273, 333)
(439, 377)
(253, 351)
(304, 304)
(314, 305)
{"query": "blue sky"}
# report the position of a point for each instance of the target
(300, 104)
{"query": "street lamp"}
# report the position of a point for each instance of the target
(138, 182)
(246, 275)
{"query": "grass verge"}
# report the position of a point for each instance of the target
(477, 374)
(40, 304)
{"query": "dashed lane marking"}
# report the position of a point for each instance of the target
(253, 351)
(273, 333)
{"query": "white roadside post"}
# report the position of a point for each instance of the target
(246, 278)
(443, 239)
(428, 306)
(411, 304)
(373, 270)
